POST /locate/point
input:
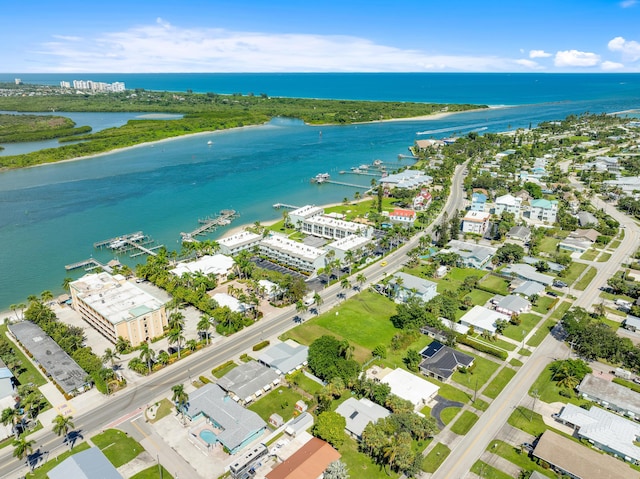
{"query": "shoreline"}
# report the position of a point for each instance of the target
(435, 116)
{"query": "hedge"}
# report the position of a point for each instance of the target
(221, 367)
(261, 345)
(498, 353)
(627, 384)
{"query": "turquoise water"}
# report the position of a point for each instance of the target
(51, 215)
(208, 436)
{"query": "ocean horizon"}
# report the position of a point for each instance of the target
(52, 215)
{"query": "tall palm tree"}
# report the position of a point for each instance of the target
(22, 447)
(147, 354)
(317, 300)
(345, 283)
(66, 283)
(110, 356)
(175, 336)
(180, 398)
(46, 296)
(204, 325)
(62, 425)
(176, 320)
(11, 415)
(122, 345)
(361, 278)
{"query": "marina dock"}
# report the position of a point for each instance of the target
(210, 223)
(352, 185)
(88, 265)
(285, 205)
(134, 244)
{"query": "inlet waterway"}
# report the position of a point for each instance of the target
(51, 215)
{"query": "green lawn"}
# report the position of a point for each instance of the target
(543, 304)
(542, 332)
(548, 244)
(486, 471)
(521, 459)
(360, 208)
(30, 373)
(528, 321)
(464, 423)
(153, 472)
(527, 421)
(363, 320)
(450, 392)
(496, 283)
(561, 308)
(480, 373)
(498, 383)
(448, 414)
(589, 255)
(549, 392)
(394, 358)
(480, 405)
(309, 385)
(224, 369)
(165, 408)
(42, 471)
(460, 274)
(359, 464)
(499, 343)
(615, 244)
(604, 257)
(479, 297)
(281, 401)
(586, 279)
(573, 272)
(436, 456)
(515, 362)
(117, 446)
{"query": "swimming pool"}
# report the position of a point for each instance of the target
(208, 436)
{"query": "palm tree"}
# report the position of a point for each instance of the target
(147, 354)
(301, 307)
(345, 283)
(110, 356)
(66, 283)
(204, 325)
(180, 398)
(16, 307)
(11, 415)
(46, 296)
(175, 336)
(361, 278)
(317, 300)
(176, 320)
(122, 345)
(61, 427)
(22, 447)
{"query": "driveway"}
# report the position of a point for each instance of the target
(441, 404)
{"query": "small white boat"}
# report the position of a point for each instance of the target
(209, 142)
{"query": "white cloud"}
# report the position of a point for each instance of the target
(539, 54)
(628, 3)
(162, 47)
(67, 38)
(575, 58)
(529, 64)
(608, 66)
(630, 49)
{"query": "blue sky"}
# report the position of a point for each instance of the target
(142, 36)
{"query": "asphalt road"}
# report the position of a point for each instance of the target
(469, 450)
(133, 398)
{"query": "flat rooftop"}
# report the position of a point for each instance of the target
(238, 239)
(614, 394)
(292, 248)
(248, 379)
(349, 243)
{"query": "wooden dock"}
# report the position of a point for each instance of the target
(133, 244)
(285, 205)
(377, 174)
(107, 242)
(88, 265)
(352, 185)
(210, 223)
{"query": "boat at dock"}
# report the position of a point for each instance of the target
(320, 178)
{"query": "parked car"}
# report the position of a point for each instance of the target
(551, 293)
(560, 284)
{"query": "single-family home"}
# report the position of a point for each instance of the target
(482, 319)
(422, 201)
(88, 464)
(544, 210)
(587, 219)
(574, 245)
(285, 357)
(527, 289)
(527, 273)
(403, 217)
(249, 381)
(476, 222)
(520, 233)
(405, 385)
(235, 305)
(440, 361)
(509, 204)
(308, 462)
(632, 323)
(471, 255)
(478, 202)
(407, 286)
(589, 235)
(513, 304)
(610, 395)
(359, 413)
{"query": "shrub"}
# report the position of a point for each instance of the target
(261, 345)
(463, 339)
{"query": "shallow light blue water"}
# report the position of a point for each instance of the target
(51, 215)
(208, 436)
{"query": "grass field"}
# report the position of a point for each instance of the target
(498, 383)
(542, 332)
(309, 385)
(522, 460)
(573, 272)
(153, 472)
(281, 401)
(543, 304)
(589, 255)
(499, 343)
(480, 373)
(448, 414)
(486, 471)
(496, 283)
(436, 456)
(549, 392)
(363, 320)
(604, 257)
(450, 392)
(165, 408)
(548, 244)
(464, 423)
(117, 446)
(42, 471)
(528, 321)
(615, 244)
(527, 421)
(30, 373)
(586, 279)
(359, 464)
(515, 362)
(479, 297)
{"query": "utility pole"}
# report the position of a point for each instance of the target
(535, 396)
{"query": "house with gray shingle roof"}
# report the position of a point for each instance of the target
(359, 413)
(285, 357)
(407, 286)
(249, 381)
(442, 361)
(528, 289)
(513, 304)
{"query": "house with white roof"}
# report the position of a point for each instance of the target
(528, 273)
(509, 204)
(471, 255)
(407, 179)
(333, 228)
(359, 413)
(482, 319)
(605, 430)
(409, 386)
(632, 323)
(249, 381)
(528, 289)
(513, 305)
(356, 244)
(235, 305)
(407, 286)
(298, 216)
(544, 210)
(245, 240)
(285, 357)
(476, 222)
(219, 265)
(270, 289)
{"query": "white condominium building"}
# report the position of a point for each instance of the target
(476, 222)
(355, 244)
(508, 203)
(115, 307)
(296, 217)
(291, 253)
(232, 245)
(332, 228)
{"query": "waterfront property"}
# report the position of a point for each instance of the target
(308, 462)
(232, 245)
(299, 215)
(249, 381)
(482, 319)
(333, 228)
(46, 353)
(406, 286)
(605, 430)
(291, 253)
(359, 413)
(475, 222)
(440, 361)
(116, 307)
(610, 395)
(285, 357)
(88, 464)
(407, 179)
(232, 426)
(578, 461)
(219, 265)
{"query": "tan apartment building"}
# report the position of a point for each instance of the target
(116, 307)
